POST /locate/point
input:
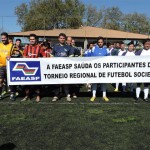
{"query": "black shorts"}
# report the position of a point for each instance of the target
(2, 72)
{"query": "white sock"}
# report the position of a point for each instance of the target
(146, 91)
(138, 90)
(94, 88)
(117, 85)
(103, 87)
(104, 93)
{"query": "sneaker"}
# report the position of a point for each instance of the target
(145, 100)
(93, 99)
(16, 93)
(105, 98)
(38, 99)
(26, 98)
(12, 97)
(68, 98)
(55, 98)
(74, 96)
(137, 100)
(116, 90)
(3, 93)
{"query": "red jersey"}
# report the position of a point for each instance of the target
(32, 51)
(46, 52)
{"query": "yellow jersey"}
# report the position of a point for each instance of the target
(4, 52)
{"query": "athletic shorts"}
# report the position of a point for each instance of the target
(2, 72)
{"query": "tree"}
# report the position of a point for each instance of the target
(47, 14)
(92, 16)
(137, 23)
(112, 18)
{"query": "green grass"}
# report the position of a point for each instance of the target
(117, 125)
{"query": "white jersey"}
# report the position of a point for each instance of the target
(121, 52)
(130, 53)
(145, 52)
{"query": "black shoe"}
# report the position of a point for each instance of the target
(1, 97)
(12, 97)
(145, 100)
(137, 99)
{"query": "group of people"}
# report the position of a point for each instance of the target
(118, 49)
(65, 48)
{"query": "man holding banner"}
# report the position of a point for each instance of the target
(33, 50)
(99, 50)
(62, 50)
(144, 52)
(5, 48)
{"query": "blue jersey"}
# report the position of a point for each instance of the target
(97, 51)
(87, 53)
(62, 50)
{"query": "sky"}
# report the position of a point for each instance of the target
(8, 20)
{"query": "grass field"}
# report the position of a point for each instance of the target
(119, 124)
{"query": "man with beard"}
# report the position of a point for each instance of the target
(62, 50)
(5, 48)
(33, 50)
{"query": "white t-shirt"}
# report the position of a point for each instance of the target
(121, 52)
(145, 52)
(130, 53)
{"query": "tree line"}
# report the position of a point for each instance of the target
(56, 14)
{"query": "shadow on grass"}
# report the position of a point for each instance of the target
(8, 146)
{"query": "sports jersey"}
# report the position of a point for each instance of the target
(62, 50)
(109, 51)
(46, 52)
(87, 53)
(128, 53)
(32, 51)
(97, 51)
(4, 52)
(143, 52)
(16, 52)
(120, 52)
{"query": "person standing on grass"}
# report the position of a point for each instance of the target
(16, 52)
(5, 48)
(129, 52)
(33, 50)
(62, 50)
(97, 51)
(144, 52)
(120, 52)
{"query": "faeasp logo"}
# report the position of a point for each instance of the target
(25, 71)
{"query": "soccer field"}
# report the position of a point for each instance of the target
(119, 124)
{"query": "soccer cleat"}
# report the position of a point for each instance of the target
(26, 98)
(38, 99)
(16, 93)
(145, 100)
(1, 97)
(137, 99)
(68, 98)
(93, 99)
(3, 93)
(12, 97)
(116, 90)
(105, 98)
(55, 98)
(74, 96)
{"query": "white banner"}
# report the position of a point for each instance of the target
(78, 70)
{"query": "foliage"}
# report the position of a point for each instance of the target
(47, 14)
(135, 22)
